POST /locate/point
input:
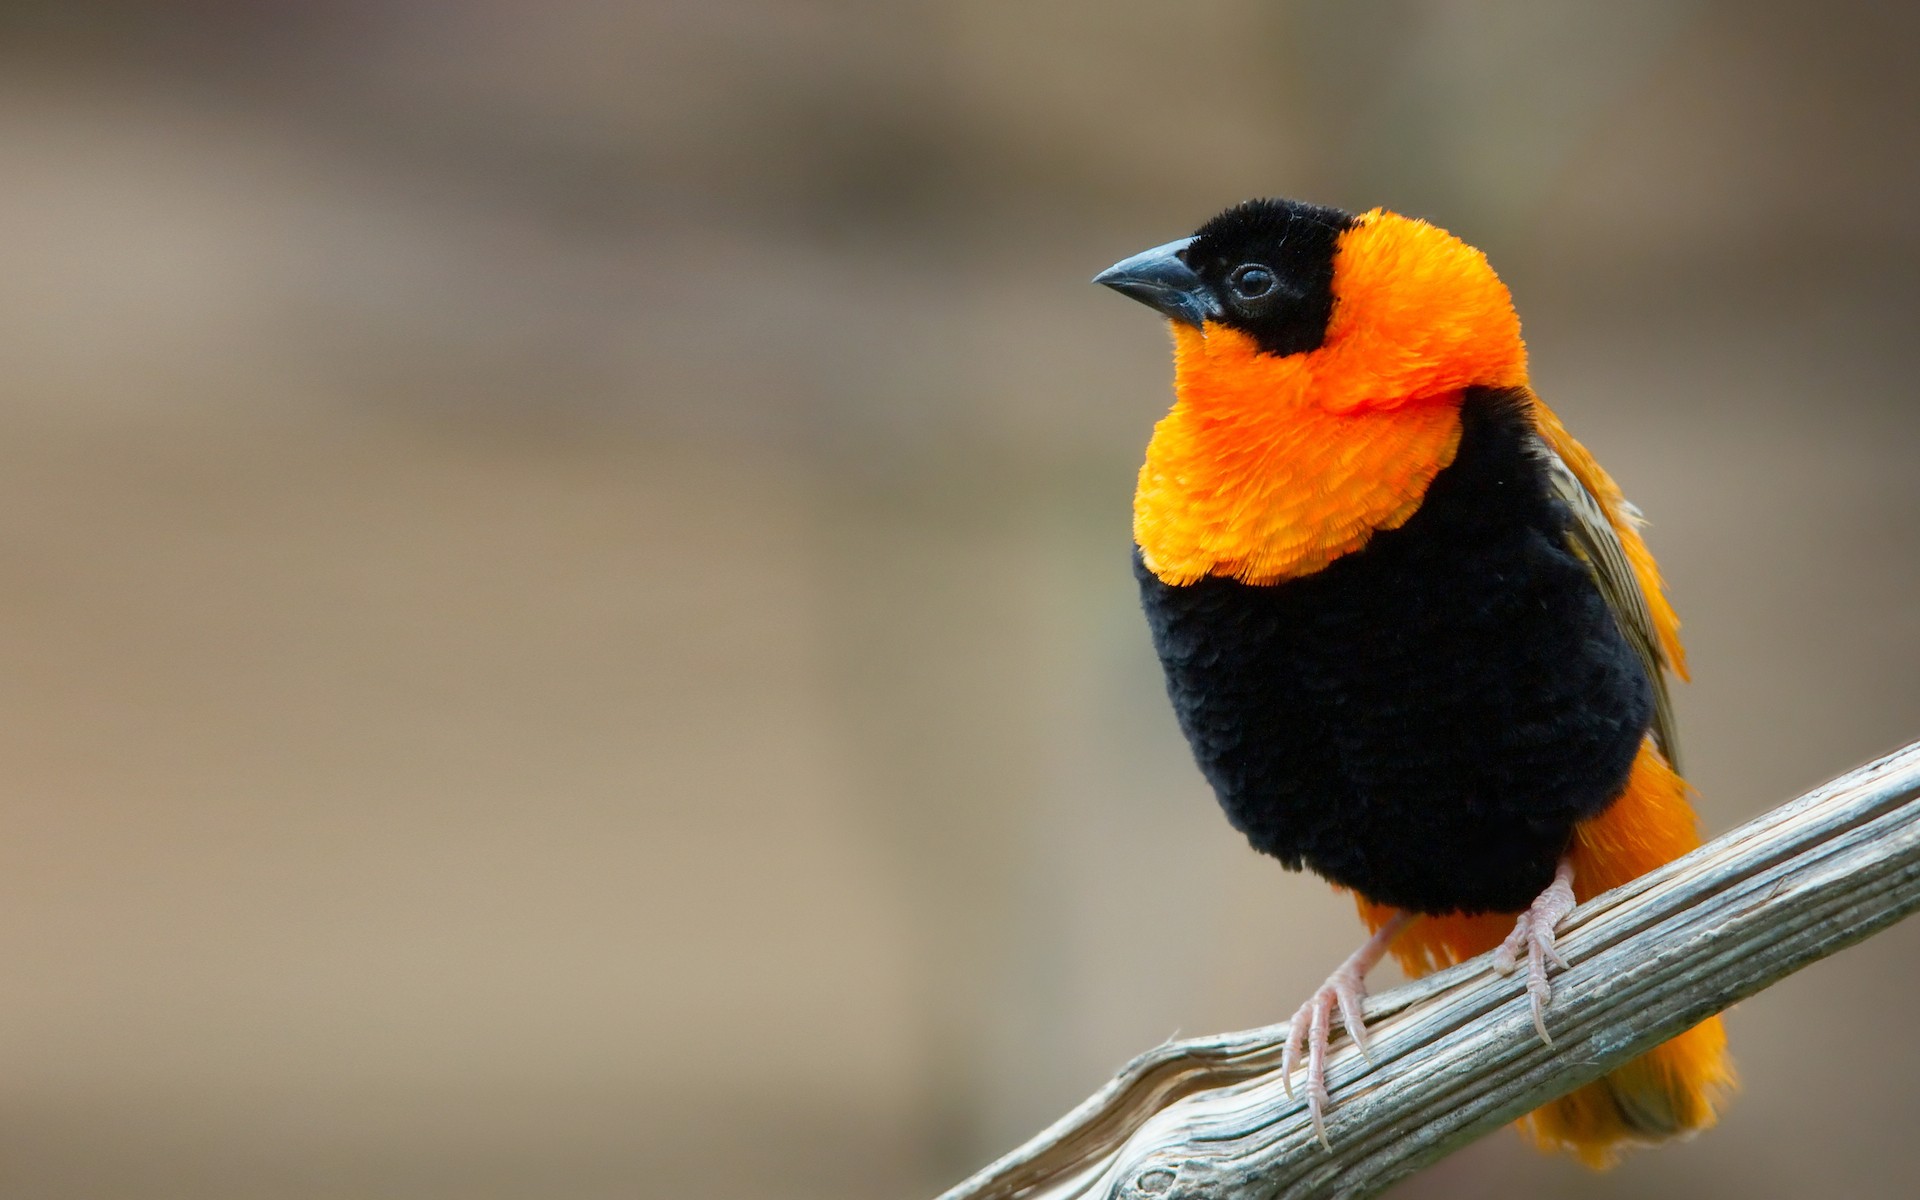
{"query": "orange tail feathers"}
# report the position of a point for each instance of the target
(1673, 1090)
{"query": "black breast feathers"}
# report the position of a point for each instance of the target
(1425, 720)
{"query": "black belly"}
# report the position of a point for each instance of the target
(1425, 720)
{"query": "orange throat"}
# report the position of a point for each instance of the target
(1252, 476)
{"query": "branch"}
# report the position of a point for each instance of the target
(1455, 1056)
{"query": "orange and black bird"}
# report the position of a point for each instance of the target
(1409, 625)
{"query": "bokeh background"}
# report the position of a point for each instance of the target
(566, 630)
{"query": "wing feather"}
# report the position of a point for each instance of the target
(1625, 521)
(1605, 532)
(1593, 537)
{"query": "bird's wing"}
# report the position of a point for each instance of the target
(1595, 535)
(1625, 521)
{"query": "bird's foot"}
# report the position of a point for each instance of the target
(1312, 1026)
(1533, 939)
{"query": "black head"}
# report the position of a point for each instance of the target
(1264, 267)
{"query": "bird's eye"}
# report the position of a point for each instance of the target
(1250, 281)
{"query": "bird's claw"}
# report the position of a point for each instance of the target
(1533, 938)
(1311, 1029)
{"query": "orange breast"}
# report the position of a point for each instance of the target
(1249, 477)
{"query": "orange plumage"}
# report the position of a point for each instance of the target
(1334, 374)
(1269, 468)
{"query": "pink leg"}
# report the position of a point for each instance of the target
(1312, 1025)
(1533, 936)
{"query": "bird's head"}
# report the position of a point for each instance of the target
(1320, 362)
(1277, 302)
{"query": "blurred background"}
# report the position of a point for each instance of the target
(566, 627)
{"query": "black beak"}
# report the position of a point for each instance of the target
(1161, 280)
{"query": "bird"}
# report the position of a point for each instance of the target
(1411, 629)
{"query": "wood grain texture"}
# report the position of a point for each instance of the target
(1454, 1056)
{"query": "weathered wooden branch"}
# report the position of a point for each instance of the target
(1455, 1055)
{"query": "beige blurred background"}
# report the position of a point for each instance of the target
(566, 630)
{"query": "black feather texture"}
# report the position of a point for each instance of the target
(1425, 720)
(1298, 242)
